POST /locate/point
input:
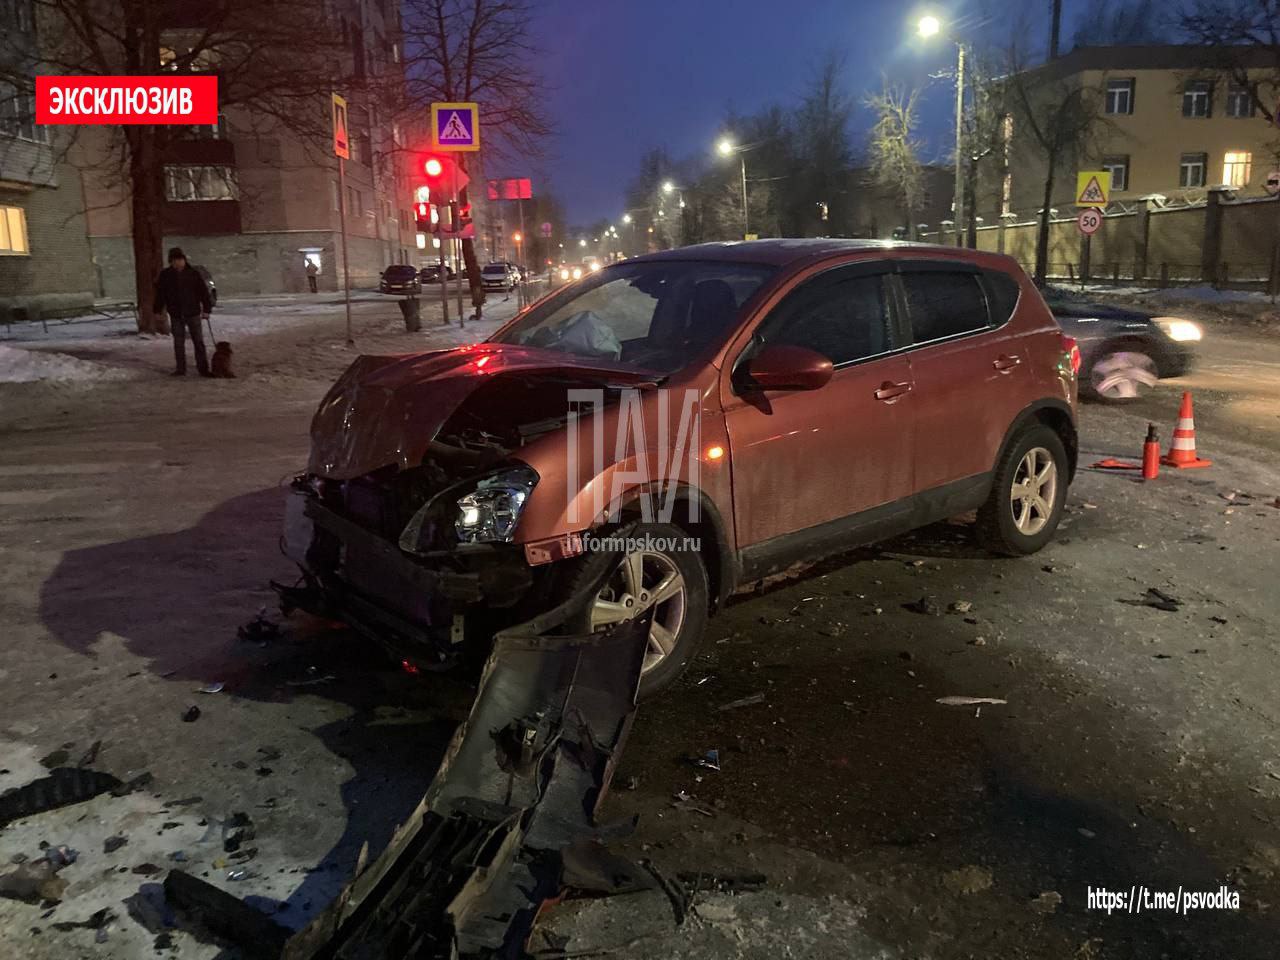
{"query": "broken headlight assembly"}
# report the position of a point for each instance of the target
(482, 510)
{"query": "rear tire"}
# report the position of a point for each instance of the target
(680, 619)
(1028, 491)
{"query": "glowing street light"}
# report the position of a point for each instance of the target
(516, 236)
(929, 26)
(626, 218)
(668, 187)
(582, 242)
(725, 146)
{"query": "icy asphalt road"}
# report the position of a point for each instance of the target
(138, 526)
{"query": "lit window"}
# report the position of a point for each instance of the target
(1197, 97)
(1120, 96)
(1239, 101)
(1236, 167)
(189, 183)
(13, 232)
(1191, 169)
(1119, 168)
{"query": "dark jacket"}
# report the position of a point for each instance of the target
(182, 293)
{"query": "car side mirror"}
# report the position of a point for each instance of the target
(782, 366)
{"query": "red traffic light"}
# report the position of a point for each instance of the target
(433, 166)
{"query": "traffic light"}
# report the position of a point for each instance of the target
(443, 176)
(422, 216)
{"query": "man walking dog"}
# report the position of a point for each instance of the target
(182, 292)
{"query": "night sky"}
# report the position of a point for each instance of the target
(629, 75)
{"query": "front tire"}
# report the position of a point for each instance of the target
(671, 581)
(1028, 492)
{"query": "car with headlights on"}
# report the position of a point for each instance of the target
(668, 430)
(1124, 351)
(400, 278)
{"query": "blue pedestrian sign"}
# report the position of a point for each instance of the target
(455, 126)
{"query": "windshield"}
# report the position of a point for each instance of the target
(654, 315)
(495, 268)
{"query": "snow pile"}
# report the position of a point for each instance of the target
(25, 366)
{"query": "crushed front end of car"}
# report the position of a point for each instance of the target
(404, 524)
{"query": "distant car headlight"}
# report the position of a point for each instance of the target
(490, 512)
(1180, 330)
(577, 273)
(595, 266)
(564, 274)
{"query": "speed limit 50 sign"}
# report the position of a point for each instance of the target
(1089, 221)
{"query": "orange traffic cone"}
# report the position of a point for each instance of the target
(1182, 450)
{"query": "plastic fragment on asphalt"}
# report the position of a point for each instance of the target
(969, 701)
(742, 702)
(213, 687)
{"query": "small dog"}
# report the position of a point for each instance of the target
(221, 363)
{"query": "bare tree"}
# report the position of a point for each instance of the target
(275, 73)
(482, 51)
(1241, 38)
(1108, 23)
(894, 150)
(1056, 119)
(982, 130)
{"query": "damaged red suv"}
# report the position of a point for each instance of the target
(676, 426)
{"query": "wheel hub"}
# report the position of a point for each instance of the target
(1034, 491)
(643, 580)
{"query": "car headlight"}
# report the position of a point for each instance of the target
(577, 273)
(1180, 330)
(490, 512)
(564, 274)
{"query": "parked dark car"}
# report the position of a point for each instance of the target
(1124, 351)
(845, 391)
(207, 277)
(431, 273)
(400, 278)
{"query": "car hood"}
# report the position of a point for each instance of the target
(386, 410)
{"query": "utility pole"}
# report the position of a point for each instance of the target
(1055, 28)
(958, 203)
(746, 226)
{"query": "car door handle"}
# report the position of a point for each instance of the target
(890, 391)
(1006, 362)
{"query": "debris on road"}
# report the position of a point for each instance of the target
(61, 788)
(213, 687)
(969, 701)
(708, 761)
(112, 844)
(191, 715)
(1157, 599)
(742, 702)
(260, 630)
(485, 850)
(33, 882)
(1047, 902)
(960, 606)
(968, 880)
(930, 606)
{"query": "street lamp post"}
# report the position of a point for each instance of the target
(727, 148)
(930, 26)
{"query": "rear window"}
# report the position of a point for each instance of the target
(944, 304)
(1003, 290)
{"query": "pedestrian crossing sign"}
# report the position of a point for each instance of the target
(1092, 188)
(455, 126)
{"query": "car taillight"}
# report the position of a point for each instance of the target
(1072, 350)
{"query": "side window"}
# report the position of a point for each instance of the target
(842, 319)
(1003, 294)
(943, 304)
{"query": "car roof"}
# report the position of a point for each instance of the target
(794, 251)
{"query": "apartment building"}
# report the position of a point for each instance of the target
(1173, 121)
(252, 201)
(44, 254)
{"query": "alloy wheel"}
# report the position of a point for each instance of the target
(1034, 491)
(642, 580)
(1122, 375)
